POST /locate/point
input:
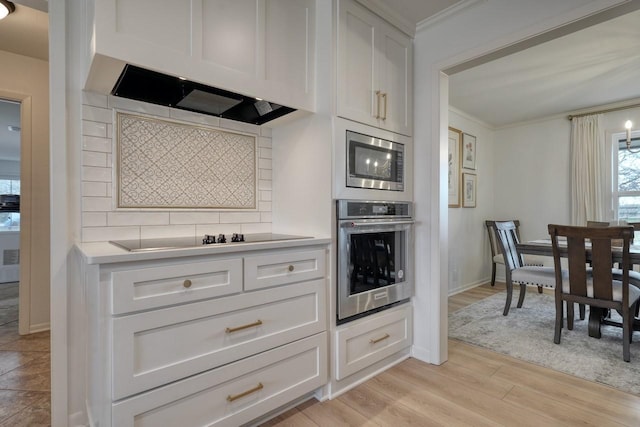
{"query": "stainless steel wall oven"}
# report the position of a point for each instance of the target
(375, 256)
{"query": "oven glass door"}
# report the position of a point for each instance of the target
(374, 265)
(374, 163)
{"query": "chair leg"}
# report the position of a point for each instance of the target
(581, 308)
(523, 292)
(539, 289)
(626, 328)
(507, 304)
(559, 316)
(493, 274)
(570, 315)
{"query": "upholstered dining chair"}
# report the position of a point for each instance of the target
(599, 286)
(515, 270)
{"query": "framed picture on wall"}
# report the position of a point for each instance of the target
(455, 141)
(468, 151)
(469, 190)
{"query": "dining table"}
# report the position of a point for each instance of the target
(597, 316)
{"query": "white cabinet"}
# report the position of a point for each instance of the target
(261, 48)
(375, 70)
(362, 343)
(222, 350)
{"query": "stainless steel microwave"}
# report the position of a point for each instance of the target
(374, 162)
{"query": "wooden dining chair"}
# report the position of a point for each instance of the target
(599, 286)
(515, 270)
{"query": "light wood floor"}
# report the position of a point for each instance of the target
(475, 387)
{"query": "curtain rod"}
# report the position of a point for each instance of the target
(608, 110)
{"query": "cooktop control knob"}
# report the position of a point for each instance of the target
(241, 238)
(221, 238)
(237, 237)
(208, 239)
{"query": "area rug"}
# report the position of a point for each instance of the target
(527, 334)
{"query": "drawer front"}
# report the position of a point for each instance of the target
(157, 347)
(234, 394)
(263, 271)
(378, 336)
(155, 287)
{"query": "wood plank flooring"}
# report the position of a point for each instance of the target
(475, 387)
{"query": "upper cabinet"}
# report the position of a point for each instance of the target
(375, 70)
(260, 48)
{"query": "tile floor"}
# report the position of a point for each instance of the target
(25, 368)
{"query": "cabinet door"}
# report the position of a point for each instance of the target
(357, 58)
(396, 77)
(289, 43)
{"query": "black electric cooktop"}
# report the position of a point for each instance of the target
(136, 245)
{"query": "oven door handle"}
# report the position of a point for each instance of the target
(364, 223)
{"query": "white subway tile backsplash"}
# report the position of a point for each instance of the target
(265, 131)
(137, 218)
(264, 184)
(101, 234)
(159, 231)
(92, 173)
(264, 206)
(95, 99)
(94, 189)
(97, 114)
(189, 116)
(139, 107)
(100, 219)
(94, 219)
(94, 158)
(264, 174)
(265, 196)
(94, 143)
(239, 126)
(265, 153)
(194, 217)
(256, 228)
(90, 128)
(264, 163)
(265, 216)
(239, 217)
(97, 204)
(264, 142)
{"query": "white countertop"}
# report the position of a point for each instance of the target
(105, 252)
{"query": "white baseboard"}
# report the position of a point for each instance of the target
(40, 327)
(468, 286)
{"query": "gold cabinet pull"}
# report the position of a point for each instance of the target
(233, 397)
(377, 340)
(291, 268)
(239, 328)
(378, 93)
(384, 96)
(186, 283)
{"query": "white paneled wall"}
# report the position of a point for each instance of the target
(102, 221)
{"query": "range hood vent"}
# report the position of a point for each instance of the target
(162, 89)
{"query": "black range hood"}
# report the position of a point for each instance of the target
(162, 89)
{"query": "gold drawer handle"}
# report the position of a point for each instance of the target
(384, 96)
(291, 268)
(377, 340)
(187, 283)
(239, 328)
(378, 94)
(231, 397)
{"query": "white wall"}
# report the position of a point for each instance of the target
(9, 169)
(478, 29)
(468, 242)
(26, 80)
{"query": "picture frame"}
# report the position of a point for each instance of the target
(469, 190)
(455, 143)
(469, 151)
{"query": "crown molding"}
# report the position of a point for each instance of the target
(380, 8)
(446, 13)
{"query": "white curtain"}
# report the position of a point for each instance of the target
(588, 170)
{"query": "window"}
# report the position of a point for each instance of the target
(9, 221)
(626, 178)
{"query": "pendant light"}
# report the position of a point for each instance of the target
(6, 7)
